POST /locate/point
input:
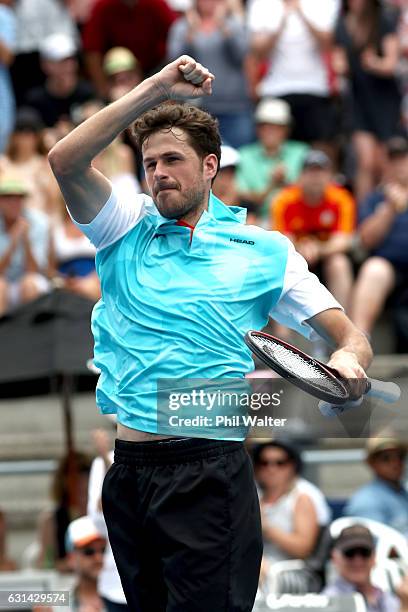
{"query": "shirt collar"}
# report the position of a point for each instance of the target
(217, 211)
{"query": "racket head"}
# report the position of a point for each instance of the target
(297, 367)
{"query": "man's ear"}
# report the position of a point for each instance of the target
(210, 166)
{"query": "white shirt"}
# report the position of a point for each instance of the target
(296, 64)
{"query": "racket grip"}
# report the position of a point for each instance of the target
(332, 410)
(388, 392)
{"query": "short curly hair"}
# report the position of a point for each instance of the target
(201, 128)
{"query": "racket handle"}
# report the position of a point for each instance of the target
(332, 410)
(388, 392)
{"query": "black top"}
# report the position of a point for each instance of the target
(52, 108)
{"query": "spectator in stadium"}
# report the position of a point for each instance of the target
(384, 499)
(7, 43)
(67, 503)
(294, 36)
(367, 51)
(272, 161)
(87, 546)
(293, 510)
(353, 557)
(109, 585)
(214, 33)
(122, 71)
(6, 564)
(383, 234)
(319, 217)
(26, 156)
(225, 185)
(63, 88)
(36, 20)
(24, 246)
(139, 25)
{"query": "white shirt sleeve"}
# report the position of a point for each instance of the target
(323, 15)
(265, 15)
(303, 296)
(115, 219)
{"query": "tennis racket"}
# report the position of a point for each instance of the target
(311, 375)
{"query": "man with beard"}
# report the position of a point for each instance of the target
(183, 278)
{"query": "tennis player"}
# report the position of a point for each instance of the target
(183, 278)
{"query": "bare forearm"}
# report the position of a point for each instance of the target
(76, 151)
(5, 260)
(6, 56)
(31, 264)
(291, 543)
(376, 227)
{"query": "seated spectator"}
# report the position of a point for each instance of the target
(294, 36)
(6, 564)
(384, 499)
(273, 161)
(122, 71)
(63, 89)
(383, 234)
(24, 246)
(353, 557)
(319, 217)
(65, 505)
(225, 185)
(367, 52)
(73, 259)
(86, 546)
(139, 25)
(293, 510)
(26, 156)
(7, 43)
(214, 33)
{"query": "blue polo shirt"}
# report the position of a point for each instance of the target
(177, 303)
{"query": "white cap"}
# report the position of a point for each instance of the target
(82, 532)
(57, 47)
(229, 157)
(272, 110)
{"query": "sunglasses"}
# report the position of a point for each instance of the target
(274, 462)
(360, 551)
(90, 551)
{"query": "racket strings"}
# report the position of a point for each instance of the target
(298, 366)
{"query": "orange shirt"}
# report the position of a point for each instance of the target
(290, 214)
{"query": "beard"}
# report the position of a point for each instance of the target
(176, 204)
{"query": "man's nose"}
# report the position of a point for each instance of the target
(160, 171)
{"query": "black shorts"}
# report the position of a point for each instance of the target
(184, 524)
(314, 117)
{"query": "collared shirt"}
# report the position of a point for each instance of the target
(176, 304)
(382, 602)
(381, 502)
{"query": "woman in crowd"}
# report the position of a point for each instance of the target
(368, 52)
(214, 33)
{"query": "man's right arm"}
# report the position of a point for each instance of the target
(84, 188)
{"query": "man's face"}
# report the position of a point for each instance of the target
(11, 207)
(88, 560)
(275, 468)
(64, 68)
(389, 464)
(314, 181)
(271, 135)
(355, 564)
(178, 180)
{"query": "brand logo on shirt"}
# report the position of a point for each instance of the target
(251, 242)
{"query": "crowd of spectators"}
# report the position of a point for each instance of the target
(311, 99)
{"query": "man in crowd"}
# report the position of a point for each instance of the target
(353, 558)
(273, 160)
(63, 89)
(122, 71)
(24, 246)
(86, 546)
(319, 217)
(384, 499)
(382, 233)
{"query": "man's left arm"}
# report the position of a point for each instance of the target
(353, 353)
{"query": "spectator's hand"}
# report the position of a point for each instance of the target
(292, 6)
(369, 59)
(278, 175)
(397, 196)
(184, 78)
(193, 19)
(309, 247)
(19, 230)
(221, 13)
